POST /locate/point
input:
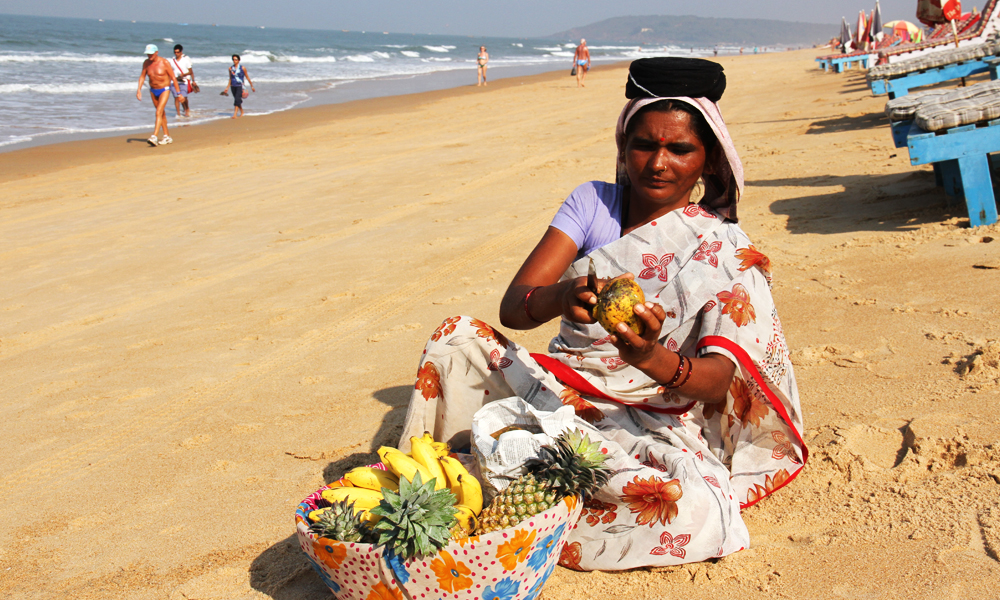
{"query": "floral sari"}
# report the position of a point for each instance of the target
(682, 470)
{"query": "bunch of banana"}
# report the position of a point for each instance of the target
(364, 486)
(430, 458)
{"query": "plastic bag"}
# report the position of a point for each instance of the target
(507, 432)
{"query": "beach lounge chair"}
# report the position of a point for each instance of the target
(898, 78)
(972, 30)
(956, 131)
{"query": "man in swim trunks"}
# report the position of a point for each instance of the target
(184, 72)
(161, 77)
(581, 58)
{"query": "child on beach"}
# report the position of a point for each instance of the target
(237, 73)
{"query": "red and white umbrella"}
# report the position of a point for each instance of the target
(861, 37)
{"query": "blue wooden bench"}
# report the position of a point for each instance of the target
(901, 86)
(840, 63)
(961, 163)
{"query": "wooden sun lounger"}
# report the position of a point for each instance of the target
(901, 86)
(839, 64)
(960, 156)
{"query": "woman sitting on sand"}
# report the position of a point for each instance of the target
(699, 415)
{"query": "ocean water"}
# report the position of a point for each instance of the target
(75, 76)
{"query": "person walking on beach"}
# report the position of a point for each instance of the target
(582, 60)
(161, 77)
(482, 59)
(184, 72)
(237, 73)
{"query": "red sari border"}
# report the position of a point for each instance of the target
(779, 407)
(576, 381)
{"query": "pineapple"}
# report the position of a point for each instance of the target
(575, 466)
(341, 523)
(416, 520)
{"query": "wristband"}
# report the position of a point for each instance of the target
(688, 376)
(528, 312)
(677, 374)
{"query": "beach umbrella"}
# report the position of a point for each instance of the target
(876, 23)
(904, 29)
(845, 34)
(930, 13)
(862, 31)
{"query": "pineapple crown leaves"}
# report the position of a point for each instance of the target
(341, 523)
(574, 466)
(416, 520)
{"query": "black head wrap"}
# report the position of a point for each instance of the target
(668, 77)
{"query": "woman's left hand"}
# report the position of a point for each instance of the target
(638, 350)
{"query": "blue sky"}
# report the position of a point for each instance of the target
(486, 18)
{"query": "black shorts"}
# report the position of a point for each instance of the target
(237, 91)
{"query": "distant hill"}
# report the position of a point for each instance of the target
(702, 32)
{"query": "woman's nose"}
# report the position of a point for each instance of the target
(660, 160)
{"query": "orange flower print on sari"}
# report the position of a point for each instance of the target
(330, 552)
(585, 410)
(747, 407)
(445, 328)
(653, 499)
(452, 576)
(737, 305)
(770, 484)
(428, 381)
(516, 550)
(596, 512)
(381, 592)
(752, 256)
(486, 332)
(571, 555)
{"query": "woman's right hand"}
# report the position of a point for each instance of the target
(578, 301)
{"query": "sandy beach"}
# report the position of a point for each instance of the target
(195, 337)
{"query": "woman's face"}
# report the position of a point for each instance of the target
(664, 158)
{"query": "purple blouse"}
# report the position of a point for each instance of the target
(591, 216)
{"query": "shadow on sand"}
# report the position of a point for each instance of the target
(896, 202)
(857, 123)
(282, 571)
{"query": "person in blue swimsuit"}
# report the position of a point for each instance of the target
(161, 78)
(237, 74)
(581, 58)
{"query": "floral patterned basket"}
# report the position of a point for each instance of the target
(511, 564)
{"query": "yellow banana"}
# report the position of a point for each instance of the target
(362, 498)
(424, 454)
(452, 469)
(372, 479)
(466, 518)
(465, 487)
(403, 465)
(314, 515)
(441, 448)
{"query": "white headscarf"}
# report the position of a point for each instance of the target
(724, 186)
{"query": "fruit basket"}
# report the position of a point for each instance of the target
(508, 564)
